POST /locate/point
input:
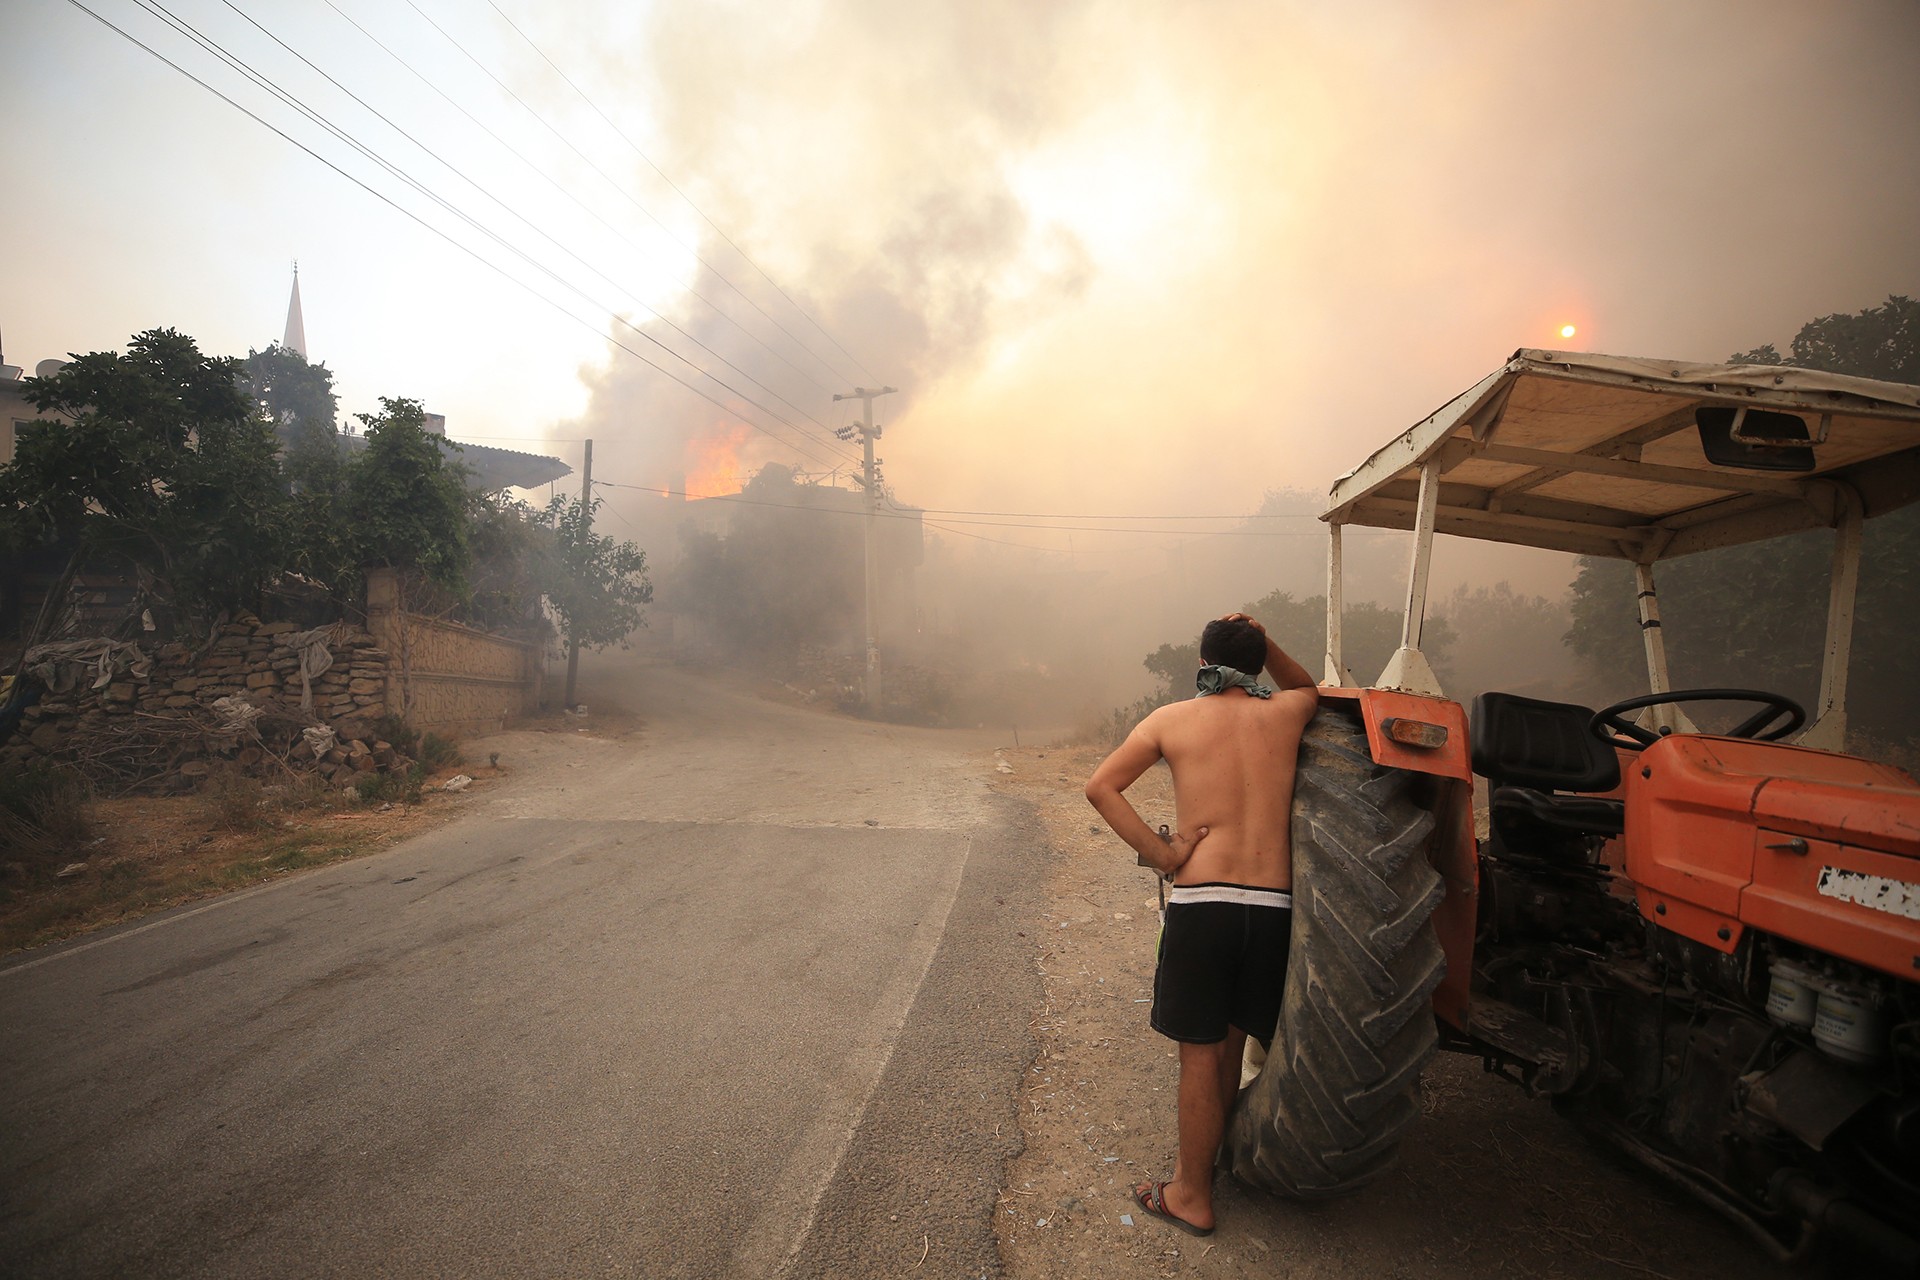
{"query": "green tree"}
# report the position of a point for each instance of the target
(1507, 640)
(1369, 634)
(165, 472)
(404, 501)
(1755, 616)
(595, 585)
(1878, 342)
(296, 396)
(512, 547)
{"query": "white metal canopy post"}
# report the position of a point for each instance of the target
(1663, 716)
(1829, 728)
(1408, 669)
(1335, 672)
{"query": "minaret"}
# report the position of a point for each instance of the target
(296, 339)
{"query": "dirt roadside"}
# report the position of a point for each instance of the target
(1490, 1183)
(144, 854)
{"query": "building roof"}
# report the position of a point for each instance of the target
(493, 468)
(488, 468)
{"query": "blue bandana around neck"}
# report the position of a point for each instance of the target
(1215, 678)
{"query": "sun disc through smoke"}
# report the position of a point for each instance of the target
(1567, 331)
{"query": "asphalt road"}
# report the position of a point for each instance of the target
(742, 994)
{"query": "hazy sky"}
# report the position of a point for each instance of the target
(1119, 257)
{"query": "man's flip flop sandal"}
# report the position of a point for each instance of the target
(1152, 1198)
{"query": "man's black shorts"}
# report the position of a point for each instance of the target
(1223, 961)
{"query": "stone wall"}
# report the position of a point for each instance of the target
(447, 678)
(167, 717)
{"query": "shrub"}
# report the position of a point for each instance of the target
(437, 752)
(44, 812)
(377, 788)
(402, 736)
(234, 800)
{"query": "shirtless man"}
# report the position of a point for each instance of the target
(1223, 950)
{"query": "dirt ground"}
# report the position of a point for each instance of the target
(147, 853)
(1490, 1183)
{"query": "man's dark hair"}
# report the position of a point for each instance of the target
(1233, 644)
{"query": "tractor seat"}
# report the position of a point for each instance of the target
(1583, 815)
(1528, 750)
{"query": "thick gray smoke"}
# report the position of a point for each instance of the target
(1122, 260)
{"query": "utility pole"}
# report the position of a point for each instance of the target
(586, 503)
(868, 434)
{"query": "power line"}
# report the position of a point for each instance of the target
(267, 83)
(576, 200)
(802, 312)
(621, 191)
(471, 252)
(899, 513)
(528, 223)
(1088, 515)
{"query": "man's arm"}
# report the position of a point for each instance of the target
(1121, 770)
(1287, 673)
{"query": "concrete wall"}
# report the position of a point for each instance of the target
(448, 678)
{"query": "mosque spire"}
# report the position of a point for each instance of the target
(296, 339)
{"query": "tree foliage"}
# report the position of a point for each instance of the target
(1504, 640)
(1878, 342)
(405, 503)
(165, 472)
(1755, 616)
(1369, 634)
(296, 396)
(595, 584)
(169, 473)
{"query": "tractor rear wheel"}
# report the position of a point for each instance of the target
(1326, 1113)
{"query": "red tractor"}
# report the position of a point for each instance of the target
(1704, 946)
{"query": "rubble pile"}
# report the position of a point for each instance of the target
(266, 699)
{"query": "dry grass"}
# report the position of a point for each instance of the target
(145, 853)
(234, 802)
(43, 813)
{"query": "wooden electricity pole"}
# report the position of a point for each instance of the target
(586, 517)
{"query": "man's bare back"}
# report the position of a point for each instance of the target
(1232, 757)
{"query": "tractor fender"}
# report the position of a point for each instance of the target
(1454, 851)
(1451, 758)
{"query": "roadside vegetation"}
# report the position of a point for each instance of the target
(71, 862)
(216, 485)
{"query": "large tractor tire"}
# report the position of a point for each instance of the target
(1326, 1113)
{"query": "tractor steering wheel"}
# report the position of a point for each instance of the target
(1610, 725)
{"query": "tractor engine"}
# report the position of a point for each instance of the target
(1777, 1079)
(1780, 1084)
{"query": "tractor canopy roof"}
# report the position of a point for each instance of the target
(1644, 459)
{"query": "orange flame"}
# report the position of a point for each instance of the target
(713, 463)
